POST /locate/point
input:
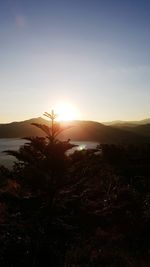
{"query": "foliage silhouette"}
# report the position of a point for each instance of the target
(85, 209)
(43, 157)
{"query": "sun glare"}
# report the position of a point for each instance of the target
(66, 112)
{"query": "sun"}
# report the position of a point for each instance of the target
(66, 112)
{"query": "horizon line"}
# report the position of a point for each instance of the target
(109, 121)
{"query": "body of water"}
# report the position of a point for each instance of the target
(15, 143)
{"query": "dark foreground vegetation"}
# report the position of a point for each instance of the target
(87, 209)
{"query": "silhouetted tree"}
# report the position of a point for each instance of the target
(40, 172)
(43, 160)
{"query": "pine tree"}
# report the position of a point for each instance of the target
(42, 161)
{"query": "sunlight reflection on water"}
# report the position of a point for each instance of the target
(15, 143)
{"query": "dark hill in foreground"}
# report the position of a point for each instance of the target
(80, 130)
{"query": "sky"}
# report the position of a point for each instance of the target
(92, 54)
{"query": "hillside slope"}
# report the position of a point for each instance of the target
(143, 130)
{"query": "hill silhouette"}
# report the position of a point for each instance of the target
(127, 123)
(143, 130)
(79, 131)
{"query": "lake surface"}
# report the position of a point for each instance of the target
(15, 143)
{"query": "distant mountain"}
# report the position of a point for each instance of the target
(127, 123)
(79, 130)
(143, 130)
(19, 129)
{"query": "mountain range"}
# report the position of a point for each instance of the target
(128, 123)
(113, 132)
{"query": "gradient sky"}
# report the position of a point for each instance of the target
(94, 54)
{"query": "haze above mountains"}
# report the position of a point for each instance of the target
(109, 132)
